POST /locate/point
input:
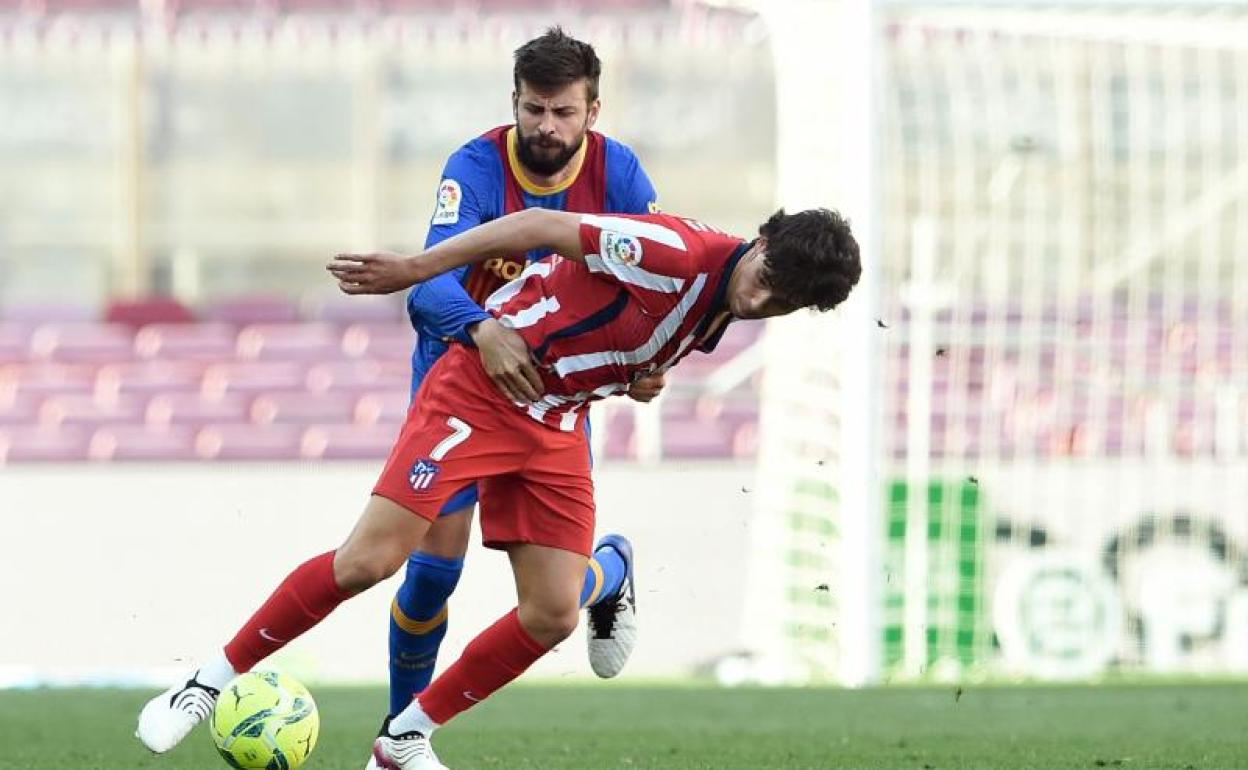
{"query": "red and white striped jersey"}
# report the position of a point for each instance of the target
(651, 289)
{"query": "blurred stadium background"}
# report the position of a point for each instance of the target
(1020, 452)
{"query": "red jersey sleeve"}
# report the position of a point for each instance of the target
(656, 252)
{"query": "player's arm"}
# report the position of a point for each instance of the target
(442, 308)
(523, 231)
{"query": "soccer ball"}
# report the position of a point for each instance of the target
(265, 720)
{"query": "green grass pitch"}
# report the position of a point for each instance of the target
(618, 725)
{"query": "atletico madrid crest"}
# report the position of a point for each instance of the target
(422, 475)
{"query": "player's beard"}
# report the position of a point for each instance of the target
(545, 157)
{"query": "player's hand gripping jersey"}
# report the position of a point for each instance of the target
(484, 180)
(651, 289)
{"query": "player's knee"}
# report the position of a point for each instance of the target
(548, 623)
(359, 567)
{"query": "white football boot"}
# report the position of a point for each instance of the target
(167, 718)
(613, 621)
(405, 751)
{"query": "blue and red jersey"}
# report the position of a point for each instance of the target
(484, 180)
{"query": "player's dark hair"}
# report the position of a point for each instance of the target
(555, 60)
(811, 258)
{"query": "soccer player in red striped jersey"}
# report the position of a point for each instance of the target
(622, 297)
(550, 157)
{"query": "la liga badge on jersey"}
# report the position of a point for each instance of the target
(621, 248)
(449, 196)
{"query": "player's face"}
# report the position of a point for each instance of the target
(552, 125)
(749, 295)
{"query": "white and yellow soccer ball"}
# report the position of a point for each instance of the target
(265, 720)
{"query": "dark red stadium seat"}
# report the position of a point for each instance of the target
(136, 313)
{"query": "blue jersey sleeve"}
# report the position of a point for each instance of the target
(441, 308)
(629, 189)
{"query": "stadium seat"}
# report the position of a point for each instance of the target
(186, 342)
(142, 442)
(141, 312)
(197, 409)
(302, 407)
(42, 444)
(360, 375)
(289, 342)
(46, 378)
(19, 409)
(252, 377)
(148, 378)
(619, 433)
(88, 411)
(349, 442)
(248, 441)
(693, 438)
(389, 342)
(14, 342)
(82, 343)
(345, 310)
(255, 309)
(386, 407)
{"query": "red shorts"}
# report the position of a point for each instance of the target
(534, 480)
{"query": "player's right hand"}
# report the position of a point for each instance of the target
(507, 361)
(381, 272)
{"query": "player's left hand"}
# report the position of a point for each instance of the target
(381, 272)
(646, 389)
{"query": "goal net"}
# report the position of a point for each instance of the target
(1049, 478)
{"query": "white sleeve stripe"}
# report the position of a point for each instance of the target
(531, 314)
(637, 228)
(634, 275)
(662, 334)
(503, 294)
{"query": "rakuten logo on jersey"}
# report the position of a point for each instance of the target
(505, 268)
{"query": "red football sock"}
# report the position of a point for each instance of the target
(303, 599)
(498, 655)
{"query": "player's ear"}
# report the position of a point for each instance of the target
(515, 106)
(594, 108)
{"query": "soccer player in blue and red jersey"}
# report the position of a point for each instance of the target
(551, 159)
(622, 298)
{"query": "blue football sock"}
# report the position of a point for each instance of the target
(418, 619)
(603, 577)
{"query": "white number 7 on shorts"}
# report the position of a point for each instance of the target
(462, 431)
